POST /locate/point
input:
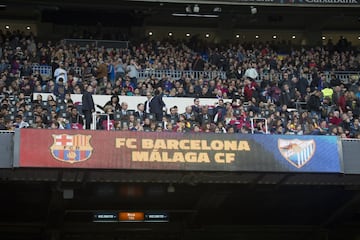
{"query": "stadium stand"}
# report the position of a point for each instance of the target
(257, 89)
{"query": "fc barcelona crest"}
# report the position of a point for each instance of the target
(297, 152)
(71, 148)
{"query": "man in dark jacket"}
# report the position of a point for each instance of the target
(314, 103)
(88, 106)
(287, 96)
(156, 106)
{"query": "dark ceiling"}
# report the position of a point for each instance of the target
(156, 13)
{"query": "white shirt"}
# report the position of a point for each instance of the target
(60, 73)
(148, 105)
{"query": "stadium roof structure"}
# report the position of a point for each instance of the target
(232, 14)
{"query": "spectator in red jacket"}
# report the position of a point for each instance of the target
(250, 89)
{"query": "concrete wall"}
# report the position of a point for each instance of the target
(351, 153)
(6, 149)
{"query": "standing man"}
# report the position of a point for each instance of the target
(147, 102)
(88, 106)
(156, 105)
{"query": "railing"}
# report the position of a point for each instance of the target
(345, 76)
(45, 71)
(77, 71)
(107, 44)
(6, 132)
(94, 121)
(143, 74)
(350, 140)
(254, 121)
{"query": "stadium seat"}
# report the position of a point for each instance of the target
(117, 116)
(62, 107)
(45, 103)
(29, 114)
(236, 112)
(130, 112)
(64, 114)
(12, 108)
(31, 121)
(151, 116)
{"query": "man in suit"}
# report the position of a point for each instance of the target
(205, 116)
(196, 108)
(147, 102)
(88, 106)
(140, 113)
(173, 116)
(156, 105)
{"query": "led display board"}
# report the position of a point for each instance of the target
(175, 151)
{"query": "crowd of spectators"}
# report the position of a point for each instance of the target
(285, 100)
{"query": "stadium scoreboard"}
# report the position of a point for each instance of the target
(130, 216)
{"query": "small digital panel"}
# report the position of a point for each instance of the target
(156, 217)
(131, 216)
(105, 217)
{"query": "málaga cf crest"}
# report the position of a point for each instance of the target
(71, 148)
(296, 151)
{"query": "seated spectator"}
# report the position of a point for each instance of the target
(146, 125)
(334, 118)
(124, 113)
(189, 115)
(2, 123)
(20, 123)
(38, 122)
(140, 112)
(76, 121)
(55, 125)
(107, 122)
(114, 103)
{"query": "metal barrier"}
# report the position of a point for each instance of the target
(44, 70)
(77, 71)
(300, 106)
(94, 120)
(253, 125)
(346, 76)
(143, 74)
(350, 140)
(177, 74)
(6, 132)
(108, 44)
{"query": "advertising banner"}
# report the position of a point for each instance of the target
(176, 151)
